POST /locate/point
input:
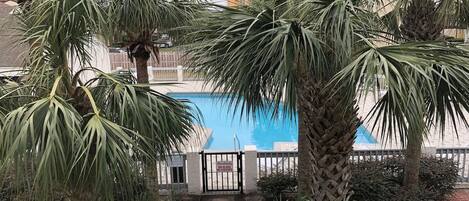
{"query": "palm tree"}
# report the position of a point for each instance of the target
(136, 23)
(273, 53)
(424, 21)
(59, 133)
(292, 54)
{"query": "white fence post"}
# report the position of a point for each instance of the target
(194, 173)
(180, 74)
(150, 73)
(250, 168)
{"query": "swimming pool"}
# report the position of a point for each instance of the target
(261, 131)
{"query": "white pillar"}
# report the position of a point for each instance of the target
(180, 74)
(194, 173)
(250, 168)
(429, 151)
(150, 73)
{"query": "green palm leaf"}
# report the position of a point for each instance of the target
(57, 31)
(437, 69)
(14, 95)
(71, 133)
(42, 134)
(251, 52)
(135, 23)
(164, 122)
(104, 158)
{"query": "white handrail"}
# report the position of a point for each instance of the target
(236, 142)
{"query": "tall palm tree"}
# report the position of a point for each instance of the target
(61, 133)
(291, 54)
(271, 53)
(422, 94)
(135, 24)
(424, 21)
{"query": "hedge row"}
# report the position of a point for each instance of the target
(379, 181)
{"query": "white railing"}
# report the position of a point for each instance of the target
(163, 74)
(258, 164)
(460, 156)
(166, 59)
(270, 162)
(287, 161)
(172, 173)
(375, 155)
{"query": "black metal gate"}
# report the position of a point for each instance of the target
(222, 171)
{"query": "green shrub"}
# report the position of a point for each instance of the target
(381, 181)
(439, 175)
(374, 180)
(274, 186)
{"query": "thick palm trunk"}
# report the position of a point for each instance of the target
(304, 146)
(329, 124)
(142, 69)
(413, 156)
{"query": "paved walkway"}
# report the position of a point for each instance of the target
(460, 195)
(221, 197)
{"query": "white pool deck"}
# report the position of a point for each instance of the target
(434, 139)
(197, 140)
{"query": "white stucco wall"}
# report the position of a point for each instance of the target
(99, 59)
(219, 2)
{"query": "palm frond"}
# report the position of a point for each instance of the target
(138, 22)
(2, 119)
(427, 76)
(136, 16)
(450, 102)
(333, 19)
(454, 13)
(81, 137)
(391, 21)
(58, 31)
(41, 135)
(163, 121)
(253, 53)
(104, 158)
(14, 95)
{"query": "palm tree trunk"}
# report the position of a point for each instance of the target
(304, 158)
(413, 156)
(142, 69)
(304, 146)
(329, 123)
(419, 23)
(151, 180)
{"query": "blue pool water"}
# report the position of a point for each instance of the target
(262, 131)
